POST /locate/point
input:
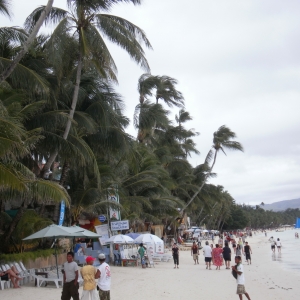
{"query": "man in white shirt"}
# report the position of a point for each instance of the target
(71, 286)
(207, 254)
(104, 280)
(240, 280)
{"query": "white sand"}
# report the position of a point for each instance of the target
(265, 279)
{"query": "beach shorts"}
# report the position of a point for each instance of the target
(195, 256)
(240, 289)
(5, 277)
(273, 247)
(207, 259)
(248, 256)
(227, 258)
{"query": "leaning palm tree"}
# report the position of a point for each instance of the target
(222, 140)
(4, 8)
(90, 27)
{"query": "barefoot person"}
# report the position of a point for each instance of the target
(247, 251)
(195, 253)
(175, 253)
(240, 280)
(227, 255)
(13, 276)
(217, 257)
(207, 251)
(278, 244)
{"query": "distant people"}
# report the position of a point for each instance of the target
(78, 248)
(265, 233)
(240, 280)
(70, 286)
(12, 275)
(278, 244)
(89, 273)
(239, 251)
(213, 237)
(195, 253)
(104, 280)
(296, 235)
(227, 255)
(175, 253)
(199, 241)
(271, 239)
(207, 251)
(233, 242)
(217, 257)
(240, 242)
(247, 251)
(220, 241)
(244, 239)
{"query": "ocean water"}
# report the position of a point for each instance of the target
(289, 258)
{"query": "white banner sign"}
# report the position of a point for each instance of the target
(114, 213)
(103, 231)
(119, 225)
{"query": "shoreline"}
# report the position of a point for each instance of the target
(265, 279)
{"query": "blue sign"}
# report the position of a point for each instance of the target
(62, 213)
(102, 218)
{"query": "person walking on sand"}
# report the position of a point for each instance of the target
(240, 280)
(104, 280)
(227, 255)
(278, 244)
(271, 239)
(247, 251)
(195, 253)
(239, 251)
(70, 286)
(141, 252)
(217, 257)
(89, 273)
(175, 253)
(207, 251)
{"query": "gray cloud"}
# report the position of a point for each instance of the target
(238, 64)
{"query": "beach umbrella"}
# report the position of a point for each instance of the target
(133, 235)
(77, 231)
(148, 238)
(54, 231)
(205, 230)
(120, 239)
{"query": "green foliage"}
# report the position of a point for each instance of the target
(26, 256)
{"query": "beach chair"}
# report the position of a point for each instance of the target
(29, 273)
(24, 276)
(4, 283)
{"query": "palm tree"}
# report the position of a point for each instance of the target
(90, 28)
(5, 8)
(222, 139)
(30, 40)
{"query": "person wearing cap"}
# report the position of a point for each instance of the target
(70, 286)
(104, 280)
(89, 273)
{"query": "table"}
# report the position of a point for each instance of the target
(129, 261)
(43, 274)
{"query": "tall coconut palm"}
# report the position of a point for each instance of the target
(5, 8)
(222, 139)
(90, 29)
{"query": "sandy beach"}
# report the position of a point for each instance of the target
(265, 279)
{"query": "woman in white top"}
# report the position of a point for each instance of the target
(278, 244)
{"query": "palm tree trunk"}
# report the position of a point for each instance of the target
(29, 41)
(14, 223)
(201, 186)
(71, 114)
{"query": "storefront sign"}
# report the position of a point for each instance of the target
(119, 225)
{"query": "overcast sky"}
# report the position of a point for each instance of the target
(238, 64)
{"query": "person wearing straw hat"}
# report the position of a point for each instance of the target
(89, 273)
(104, 280)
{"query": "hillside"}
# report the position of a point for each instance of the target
(282, 205)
